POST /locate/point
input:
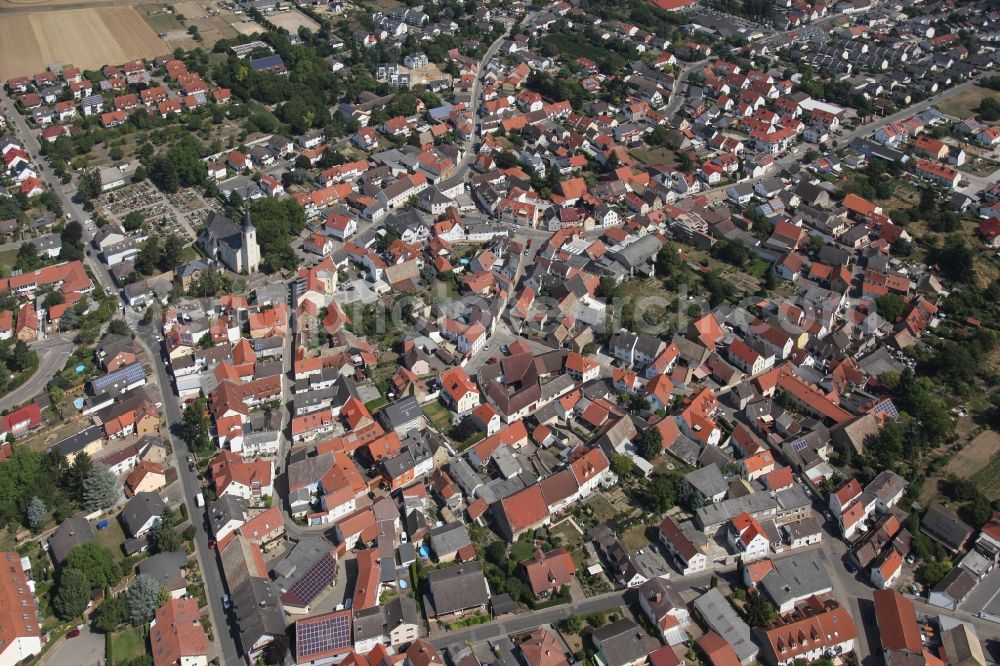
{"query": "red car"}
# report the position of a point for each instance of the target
(73, 634)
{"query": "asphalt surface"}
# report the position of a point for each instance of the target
(226, 643)
(210, 566)
(52, 355)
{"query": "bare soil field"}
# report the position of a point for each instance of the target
(292, 20)
(243, 25)
(211, 29)
(86, 38)
(190, 10)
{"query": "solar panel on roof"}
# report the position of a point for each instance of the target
(888, 408)
(331, 633)
(129, 374)
(314, 581)
(799, 445)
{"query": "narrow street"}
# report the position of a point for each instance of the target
(210, 566)
(226, 643)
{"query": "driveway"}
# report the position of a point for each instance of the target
(87, 649)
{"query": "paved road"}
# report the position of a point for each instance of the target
(87, 649)
(855, 591)
(206, 557)
(699, 582)
(52, 355)
(210, 566)
(677, 98)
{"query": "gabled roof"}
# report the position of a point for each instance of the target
(549, 571)
(897, 622)
(525, 509)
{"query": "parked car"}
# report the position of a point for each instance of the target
(225, 602)
(73, 634)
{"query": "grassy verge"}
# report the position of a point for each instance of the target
(128, 644)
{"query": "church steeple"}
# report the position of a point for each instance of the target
(247, 222)
(249, 249)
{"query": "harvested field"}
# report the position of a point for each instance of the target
(87, 38)
(292, 20)
(190, 10)
(978, 461)
(244, 26)
(975, 455)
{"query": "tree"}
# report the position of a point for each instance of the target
(72, 232)
(572, 624)
(277, 650)
(163, 173)
(100, 488)
(890, 306)
(596, 620)
(96, 562)
(955, 259)
(142, 598)
(133, 220)
(73, 594)
(88, 185)
(194, 425)
(165, 538)
(622, 465)
(119, 327)
(650, 443)
(731, 253)
(668, 261)
(758, 609)
(659, 493)
(111, 614)
(150, 256)
(36, 513)
(22, 357)
(931, 573)
(27, 257)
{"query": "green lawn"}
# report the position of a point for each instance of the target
(471, 441)
(112, 537)
(127, 644)
(521, 550)
(376, 404)
(568, 535)
(601, 509)
(635, 538)
(7, 258)
(438, 414)
(654, 155)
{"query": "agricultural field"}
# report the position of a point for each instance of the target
(292, 20)
(211, 25)
(979, 461)
(243, 25)
(87, 38)
(962, 105)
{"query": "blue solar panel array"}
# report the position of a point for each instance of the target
(319, 577)
(332, 633)
(888, 408)
(130, 374)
